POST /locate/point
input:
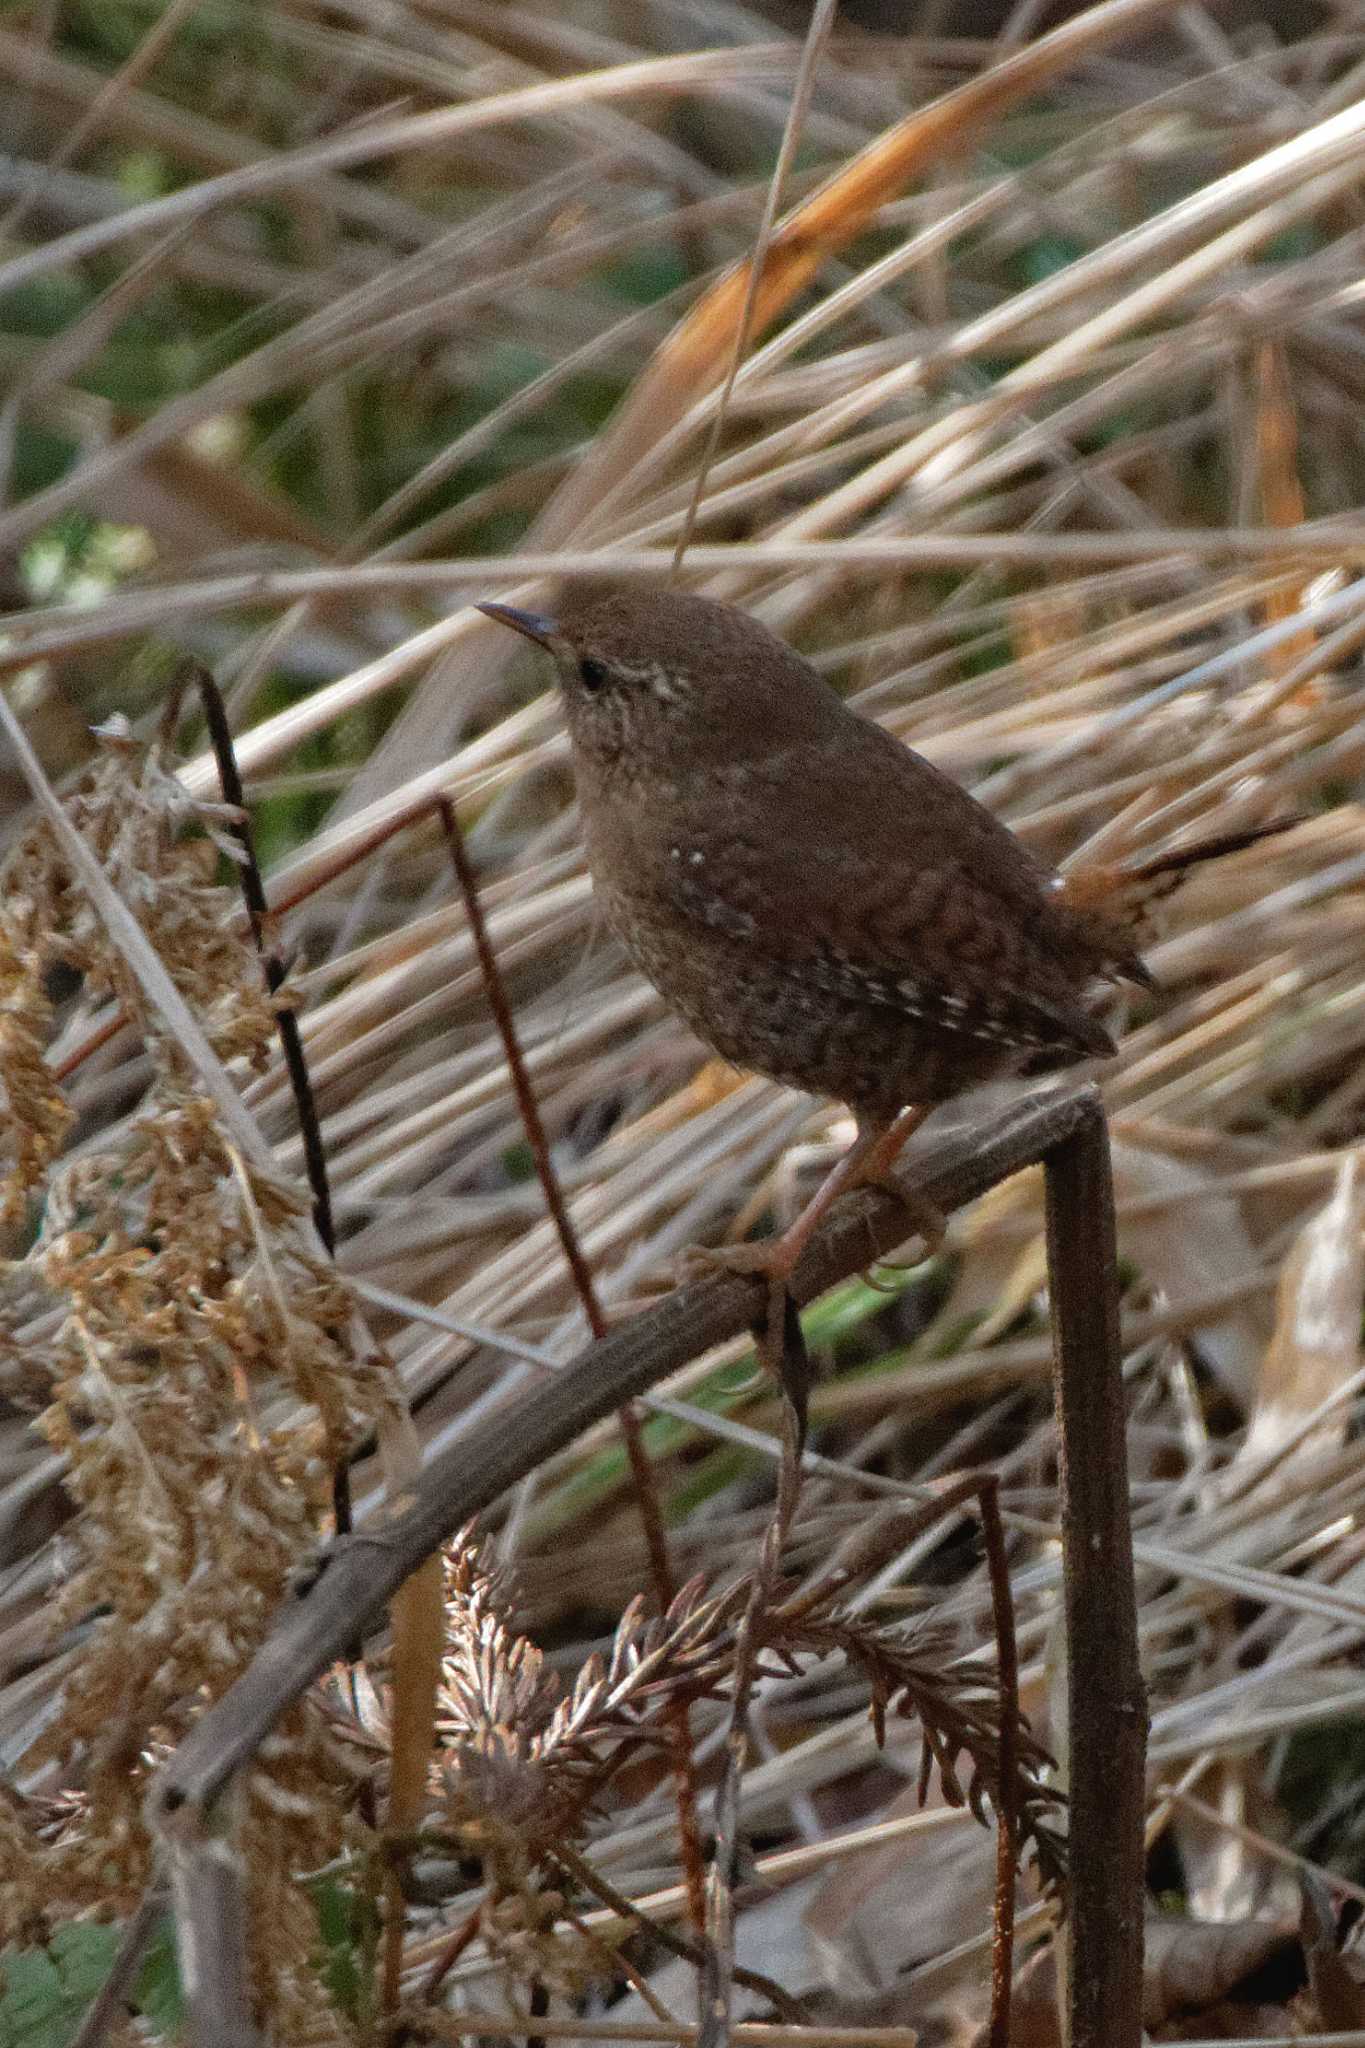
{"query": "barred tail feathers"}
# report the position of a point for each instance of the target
(1180, 859)
(1114, 904)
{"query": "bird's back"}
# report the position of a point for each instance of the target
(819, 901)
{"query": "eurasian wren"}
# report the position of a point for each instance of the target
(816, 900)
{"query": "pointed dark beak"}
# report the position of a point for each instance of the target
(533, 624)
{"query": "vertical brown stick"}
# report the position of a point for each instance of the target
(1106, 1703)
(286, 1023)
(1006, 1791)
(646, 1491)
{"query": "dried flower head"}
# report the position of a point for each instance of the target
(201, 1377)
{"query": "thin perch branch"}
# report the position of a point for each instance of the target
(362, 1575)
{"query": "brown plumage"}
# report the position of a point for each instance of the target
(815, 899)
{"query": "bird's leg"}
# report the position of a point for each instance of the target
(888, 1144)
(866, 1163)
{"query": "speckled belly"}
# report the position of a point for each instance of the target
(760, 1014)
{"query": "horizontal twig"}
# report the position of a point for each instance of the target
(36, 633)
(755, 2033)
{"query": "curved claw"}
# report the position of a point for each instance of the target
(926, 1217)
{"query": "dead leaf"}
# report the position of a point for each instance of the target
(1315, 1346)
(1193, 1968)
(1281, 493)
(879, 1913)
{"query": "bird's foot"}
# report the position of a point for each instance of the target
(775, 1259)
(699, 1261)
(926, 1219)
(772, 1259)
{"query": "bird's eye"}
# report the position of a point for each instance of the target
(592, 674)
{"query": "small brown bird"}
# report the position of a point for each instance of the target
(817, 901)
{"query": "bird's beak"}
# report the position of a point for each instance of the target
(534, 625)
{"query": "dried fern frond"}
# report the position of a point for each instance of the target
(525, 1763)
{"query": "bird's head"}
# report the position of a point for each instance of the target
(671, 679)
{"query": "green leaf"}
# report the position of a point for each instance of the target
(44, 1992)
(519, 1162)
(160, 1996)
(34, 2011)
(349, 1928)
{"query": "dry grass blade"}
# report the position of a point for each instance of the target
(821, 21)
(693, 359)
